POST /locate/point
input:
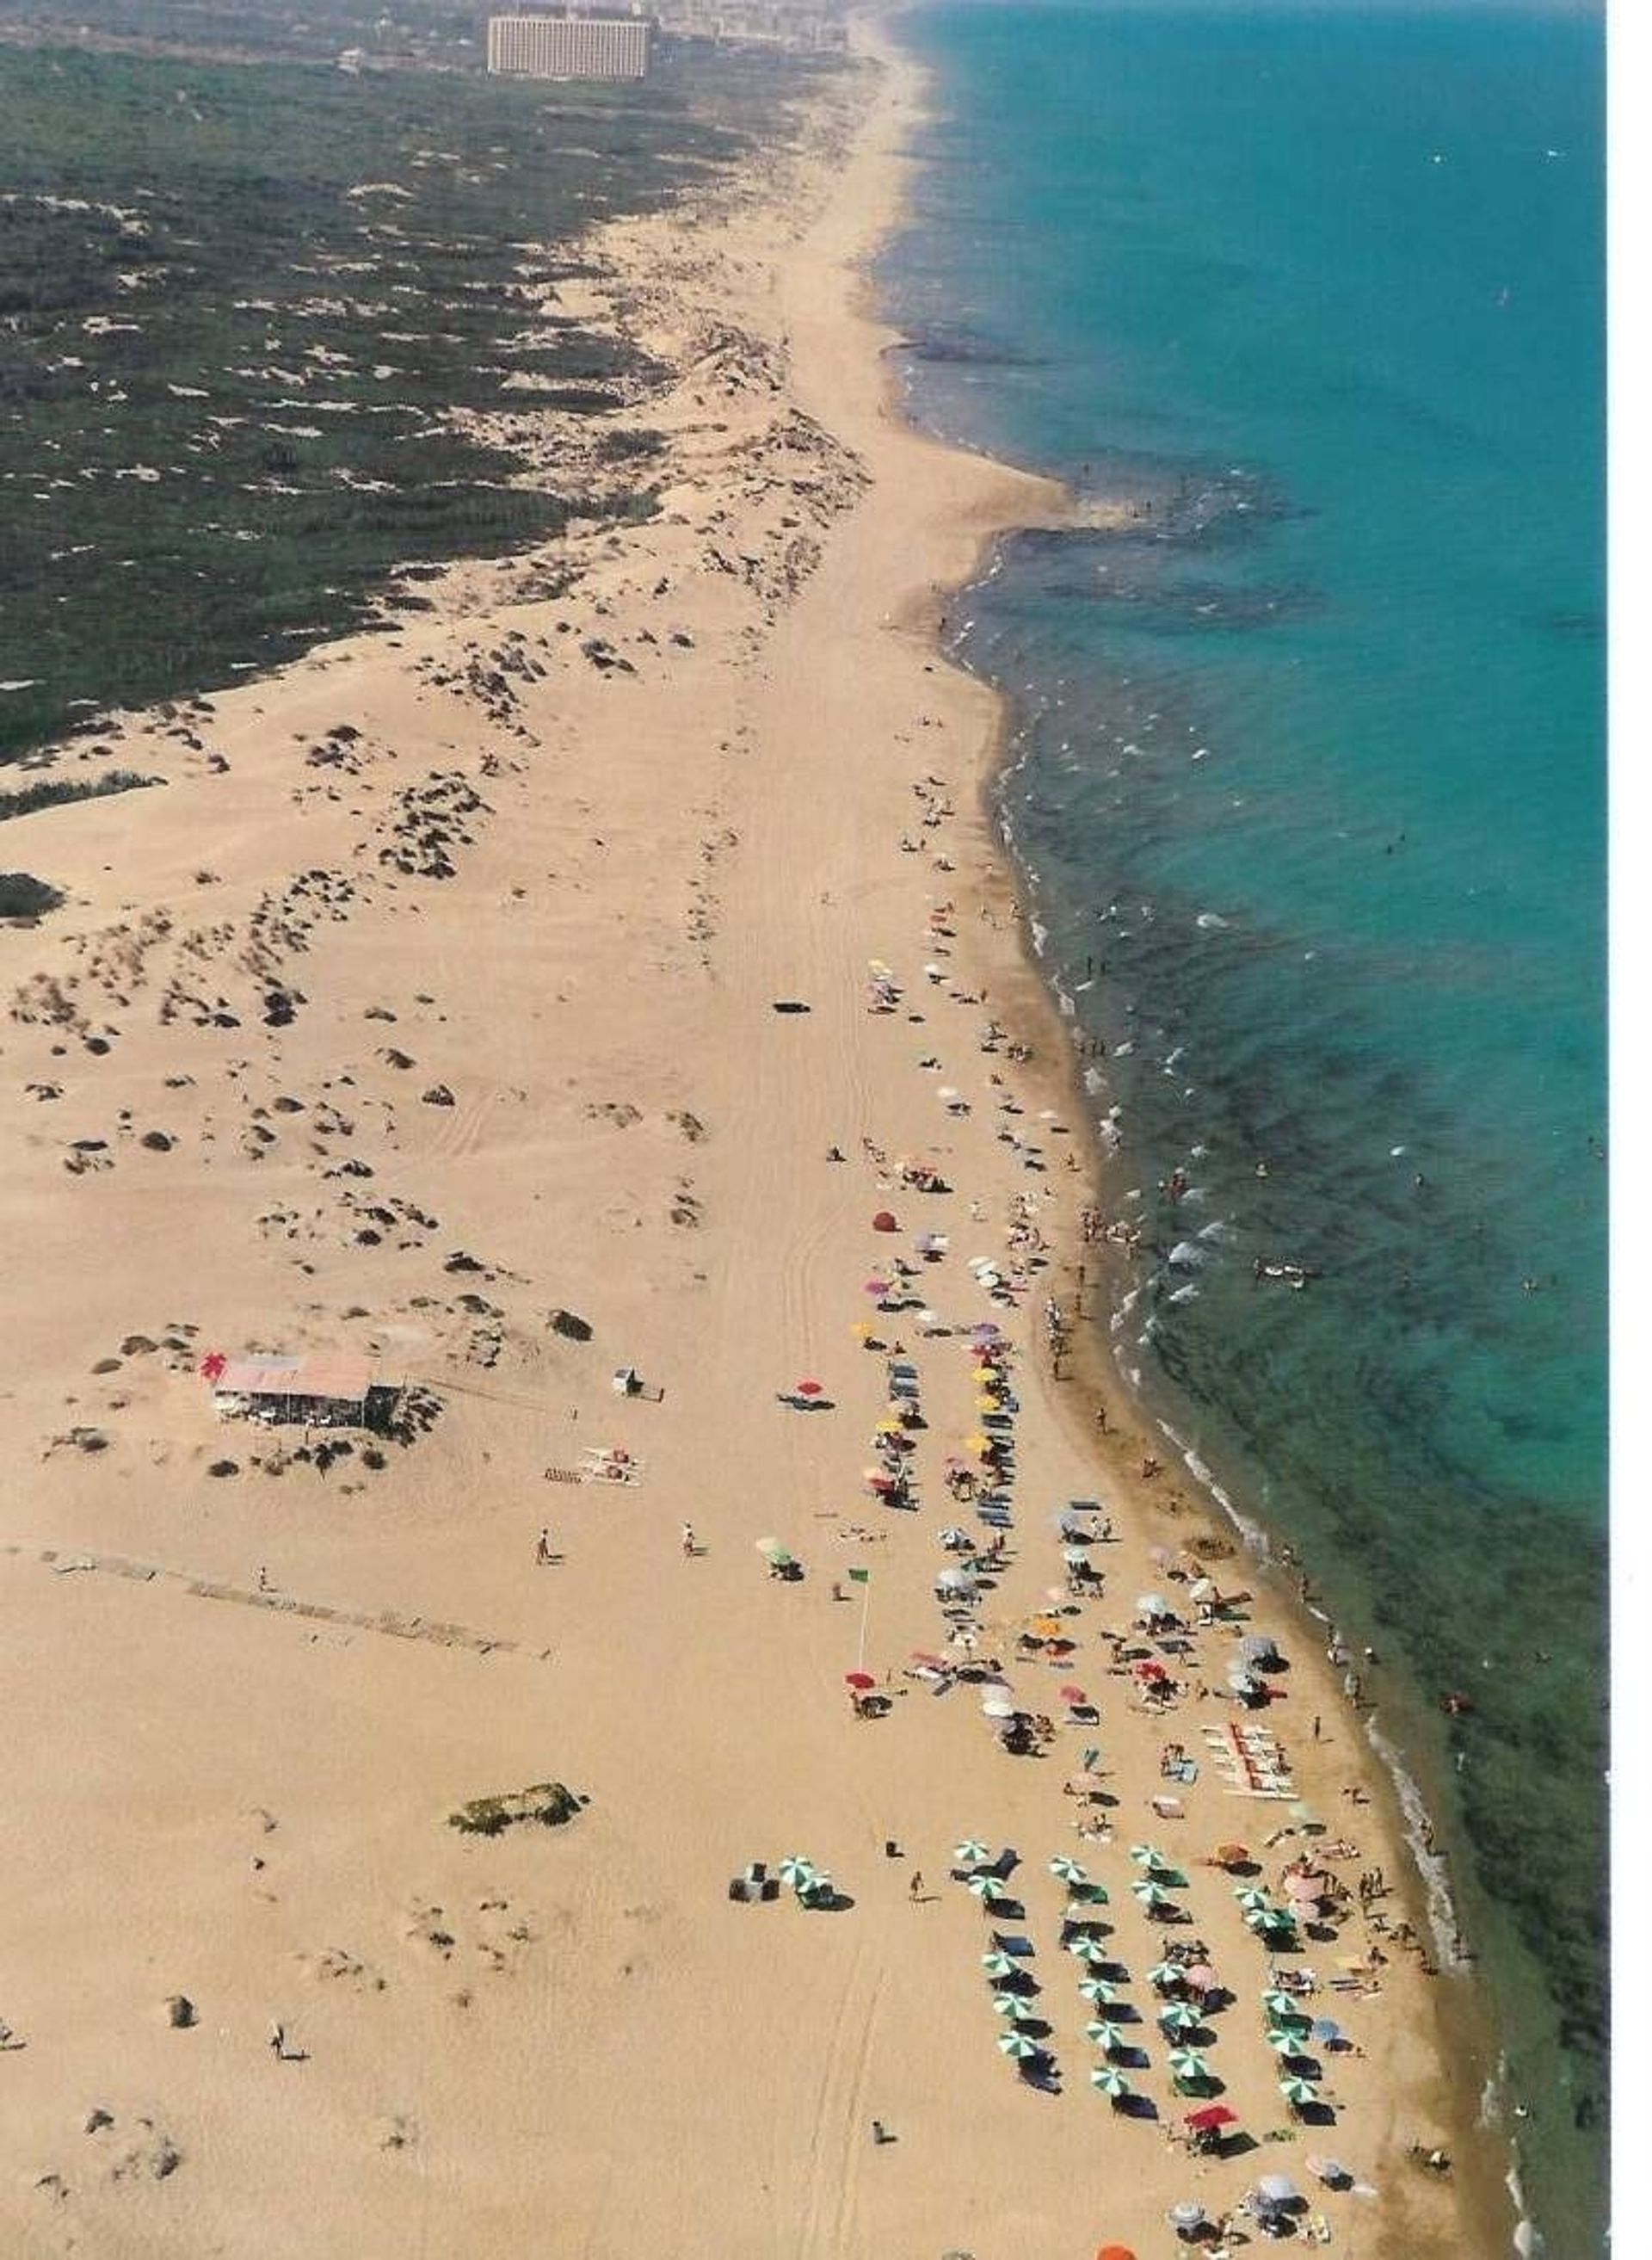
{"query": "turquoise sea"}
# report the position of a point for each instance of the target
(1307, 785)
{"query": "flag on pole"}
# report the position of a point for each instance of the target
(860, 1576)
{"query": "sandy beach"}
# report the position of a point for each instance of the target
(430, 1013)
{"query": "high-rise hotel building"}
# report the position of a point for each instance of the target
(569, 46)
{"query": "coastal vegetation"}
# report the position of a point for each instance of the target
(240, 304)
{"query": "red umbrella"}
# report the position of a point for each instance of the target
(859, 1679)
(809, 1389)
(1212, 2116)
(877, 1286)
(884, 1221)
(213, 1363)
(1073, 1695)
(1150, 1671)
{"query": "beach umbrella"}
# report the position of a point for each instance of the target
(859, 1680)
(1178, 2018)
(1283, 2043)
(987, 1888)
(1282, 2007)
(808, 1389)
(1071, 1693)
(998, 1706)
(977, 1444)
(877, 1287)
(1250, 1899)
(1298, 2092)
(1306, 1817)
(1165, 1974)
(1152, 1605)
(794, 1869)
(1068, 1869)
(1188, 2064)
(1144, 1855)
(1105, 2035)
(1111, 2082)
(1087, 1950)
(998, 1964)
(1100, 1991)
(1150, 1894)
(1305, 1892)
(1088, 1894)
(1200, 1976)
(1011, 2004)
(884, 1221)
(972, 1852)
(1186, 2217)
(1277, 2189)
(1018, 2044)
(1327, 2031)
(1211, 2118)
(1201, 1590)
(1259, 1648)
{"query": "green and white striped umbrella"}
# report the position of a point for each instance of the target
(988, 1888)
(971, 1853)
(1017, 2044)
(1012, 2004)
(1163, 1974)
(794, 1869)
(1109, 2081)
(1068, 1869)
(1144, 1856)
(1087, 1950)
(1103, 2035)
(1262, 1918)
(1149, 1892)
(1189, 2065)
(1086, 1894)
(1284, 2043)
(1249, 1897)
(998, 1964)
(1178, 2018)
(1298, 2092)
(1098, 1990)
(1282, 2008)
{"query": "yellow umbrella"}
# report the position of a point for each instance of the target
(984, 1403)
(889, 1428)
(863, 1330)
(1047, 1628)
(976, 1444)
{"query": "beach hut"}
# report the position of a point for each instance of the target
(323, 1389)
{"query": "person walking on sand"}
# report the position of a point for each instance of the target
(542, 1551)
(690, 1545)
(915, 1889)
(277, 2040)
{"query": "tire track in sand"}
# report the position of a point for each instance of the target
(839, 2132)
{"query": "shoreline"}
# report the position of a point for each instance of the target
(1097, 1379)
(482, 859)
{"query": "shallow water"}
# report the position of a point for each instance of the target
(1307, 781)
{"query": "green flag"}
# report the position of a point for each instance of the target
(860, 1576)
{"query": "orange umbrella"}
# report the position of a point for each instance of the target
(1115, 2252)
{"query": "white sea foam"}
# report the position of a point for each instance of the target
(1211, 922)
